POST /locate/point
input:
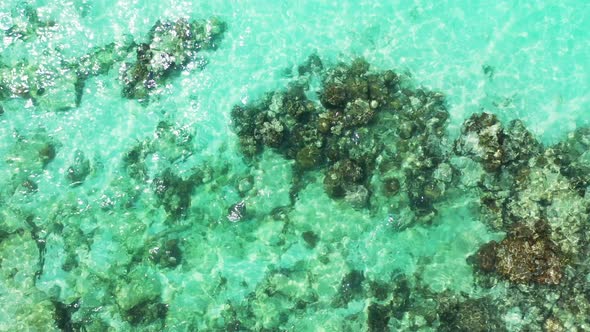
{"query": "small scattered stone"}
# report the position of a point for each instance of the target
(79, 170)
(310, 238)
(237, 212)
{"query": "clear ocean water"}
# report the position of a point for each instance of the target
(517, 60)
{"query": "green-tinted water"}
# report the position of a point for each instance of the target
(135, 196)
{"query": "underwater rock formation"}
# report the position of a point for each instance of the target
(140, 298)
(525, 182)
(401, 305)
(470, 315)
(167, 254)
(25, 23)
(59, 85)
(79, 170)
(342, 132)
(373, 139)
(524, 256)
(26, 159)
(171, 144)
(485, 140)
(170, 47)
(175, 192)
(28, 307)
(378, 141)
(481, 140)
(572, 156)
(538, 195)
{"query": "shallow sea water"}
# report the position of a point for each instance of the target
(519, 61)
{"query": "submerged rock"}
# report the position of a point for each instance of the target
(59, 85)
(572, 156)
(28, 157)
(170, 142)
(79, 170)
(147, 313)
(350, 288)
(170, 47)
(343, 134)
(342, 176)
(167, 254)
(25, 23)
(527, 192)
(236, 212)
(481, 139)
(524, 256)
(174, 192)
(357, 196)
(477, 315)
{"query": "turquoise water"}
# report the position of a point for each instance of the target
(106, 250)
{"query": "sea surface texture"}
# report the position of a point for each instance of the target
(294, 165)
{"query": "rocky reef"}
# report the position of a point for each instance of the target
(170, 47)
(59, 85)
(365, 131)
(377, 141)
(538, 196)
(524, 256)
(526, 186)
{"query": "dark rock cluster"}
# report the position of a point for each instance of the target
(171, 144)
(572, 156)
(485, 140)
(60, 85)
(401, 305)
(170, 47)
(168, 254)
(374, 138)
(147, 314)
(524, 256)
(531, 192)
(470, 314)
(538, 195)
(395, 305)
(360, 124)
(175, 192)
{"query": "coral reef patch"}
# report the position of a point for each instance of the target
(170, 47)
(59, 84)
(365, 131)
(374, 140)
